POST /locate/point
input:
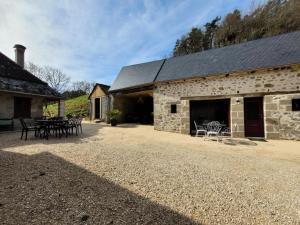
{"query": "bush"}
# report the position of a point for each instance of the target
(114, 114)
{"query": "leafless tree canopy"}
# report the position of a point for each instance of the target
(56, 78)
(53, 76)
(83, 86)
(60, 81)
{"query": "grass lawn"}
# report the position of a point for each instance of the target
(74, 106)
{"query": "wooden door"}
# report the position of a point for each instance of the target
(253, 116)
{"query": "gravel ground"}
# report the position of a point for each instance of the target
(135, 175)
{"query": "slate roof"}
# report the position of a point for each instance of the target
(262, 53)
(135, 75)
(13, 78)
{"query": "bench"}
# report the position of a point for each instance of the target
(6, 123)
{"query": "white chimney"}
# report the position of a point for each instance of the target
(19, 55)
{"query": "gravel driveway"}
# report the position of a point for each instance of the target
(135, 175)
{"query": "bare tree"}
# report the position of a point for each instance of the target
(54, 77)
(83, 86)
(35, 70)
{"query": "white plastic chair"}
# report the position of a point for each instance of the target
(199, 129)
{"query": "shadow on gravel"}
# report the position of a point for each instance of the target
(127, 125)
(229, 141)
(12, 139)
(131, 125)
(46, 189)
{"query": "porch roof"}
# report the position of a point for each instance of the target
(9, 85)
(136, 75)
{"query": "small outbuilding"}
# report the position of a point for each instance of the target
(99, 102)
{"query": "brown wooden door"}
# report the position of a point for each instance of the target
(254, 118)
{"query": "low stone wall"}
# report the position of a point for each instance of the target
(234, 86)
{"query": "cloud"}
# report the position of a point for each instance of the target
(92, 40)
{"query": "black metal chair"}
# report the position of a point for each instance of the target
(26, 129)
(78, 124)
(72, 124)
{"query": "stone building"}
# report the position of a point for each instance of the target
(21, 93)
(99, 102)
(253, 88)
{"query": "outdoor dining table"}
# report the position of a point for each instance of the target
(47, 125)
(221, 124)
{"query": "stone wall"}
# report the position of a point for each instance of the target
(280, 120)
(237, 117)
(238, 85)
(7, 107)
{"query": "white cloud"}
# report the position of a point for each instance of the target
(91, 40)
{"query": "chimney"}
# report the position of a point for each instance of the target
(19, 55)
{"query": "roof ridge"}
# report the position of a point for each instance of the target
(159, 70)
(137, 64)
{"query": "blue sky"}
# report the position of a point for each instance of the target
(91, 40)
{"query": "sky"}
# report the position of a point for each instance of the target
(91, 40)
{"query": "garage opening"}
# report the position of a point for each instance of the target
(136, 107)
(205, 111)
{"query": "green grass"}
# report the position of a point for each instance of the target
(75, 106)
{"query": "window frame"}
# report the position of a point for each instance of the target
(173, 108)
(296, 104)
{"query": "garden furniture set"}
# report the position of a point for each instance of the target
(57, 126)
(212, 129)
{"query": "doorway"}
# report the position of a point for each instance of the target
(254, 117)
(136, 107)
(204, 111)
(97, 108)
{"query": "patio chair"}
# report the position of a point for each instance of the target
(79, 124)
(213, 129)
(26, 129)
(199, 129)
(69, 126)
(226, 132)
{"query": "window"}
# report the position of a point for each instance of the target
(22, 107)
(173, 108)
(296, 104)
